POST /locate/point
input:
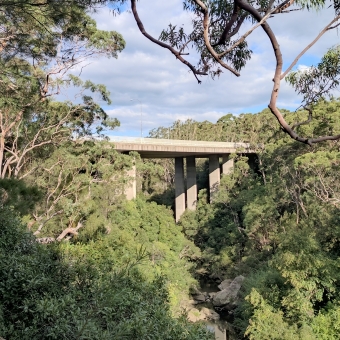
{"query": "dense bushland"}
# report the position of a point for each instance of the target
(276, 223)
(108, 269)
(79, 292)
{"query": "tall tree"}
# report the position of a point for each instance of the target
(37, 55)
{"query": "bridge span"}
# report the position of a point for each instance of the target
(186, 196)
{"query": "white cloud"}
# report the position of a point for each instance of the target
(303, 68)
(167, 91)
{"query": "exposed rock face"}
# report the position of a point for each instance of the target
(224, 284)
(199, 298)
(195, 315)
(186, 305)
(227, 297)
(211, 295)
(210, 314)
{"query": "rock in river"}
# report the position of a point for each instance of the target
(228, 296)
(195, 315)
(224, 284)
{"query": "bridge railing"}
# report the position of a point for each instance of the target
(158, 141)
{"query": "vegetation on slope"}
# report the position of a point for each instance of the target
(277, 224)
(79, 292)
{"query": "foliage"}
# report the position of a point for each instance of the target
(136, 225)
(317, 81)
(48, 295)
(218, 33)
(40, 46)
(277, 223)
(79, 181)
(18, 195)
(127, 265)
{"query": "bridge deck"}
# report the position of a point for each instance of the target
(170, 148)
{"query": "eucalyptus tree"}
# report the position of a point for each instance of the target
(219, 33)
(41, 45)
(81, 183)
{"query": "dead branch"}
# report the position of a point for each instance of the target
(45, 240)
(72, 231)
(37, 232)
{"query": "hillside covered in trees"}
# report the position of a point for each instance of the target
(276, 224)
(79, 261)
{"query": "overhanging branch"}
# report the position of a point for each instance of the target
(327, 28)
(207, 39)
(176, 53)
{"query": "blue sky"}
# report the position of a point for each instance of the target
(166, 90)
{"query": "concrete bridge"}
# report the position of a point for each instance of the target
(180, 149)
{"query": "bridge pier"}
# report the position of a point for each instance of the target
(179, 188)
(227, 164)
(190, 199)
(191, 191)
(131, 189)
(191, 183)
(214, 175)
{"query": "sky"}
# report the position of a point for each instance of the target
(150, 88)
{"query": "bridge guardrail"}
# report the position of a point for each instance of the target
(158, 141)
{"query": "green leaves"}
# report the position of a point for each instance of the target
(59, 292)
(317, 82)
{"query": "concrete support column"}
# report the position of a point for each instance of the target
(214, 174)
(131, 189)
(227, 165)
(179, 188)
(191, 183)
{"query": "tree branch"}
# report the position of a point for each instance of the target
(306, 121)
(328, 27)
(244, 36)
(177, 54)
(230, 23)
(73, 231)
(237, 27)
(207, 40)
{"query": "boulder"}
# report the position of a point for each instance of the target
(215, 277)
(209, 314)
(195, 315)
(224, 284)
(211, 295)
(228, 296)
(186, 304)
(199, 298)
